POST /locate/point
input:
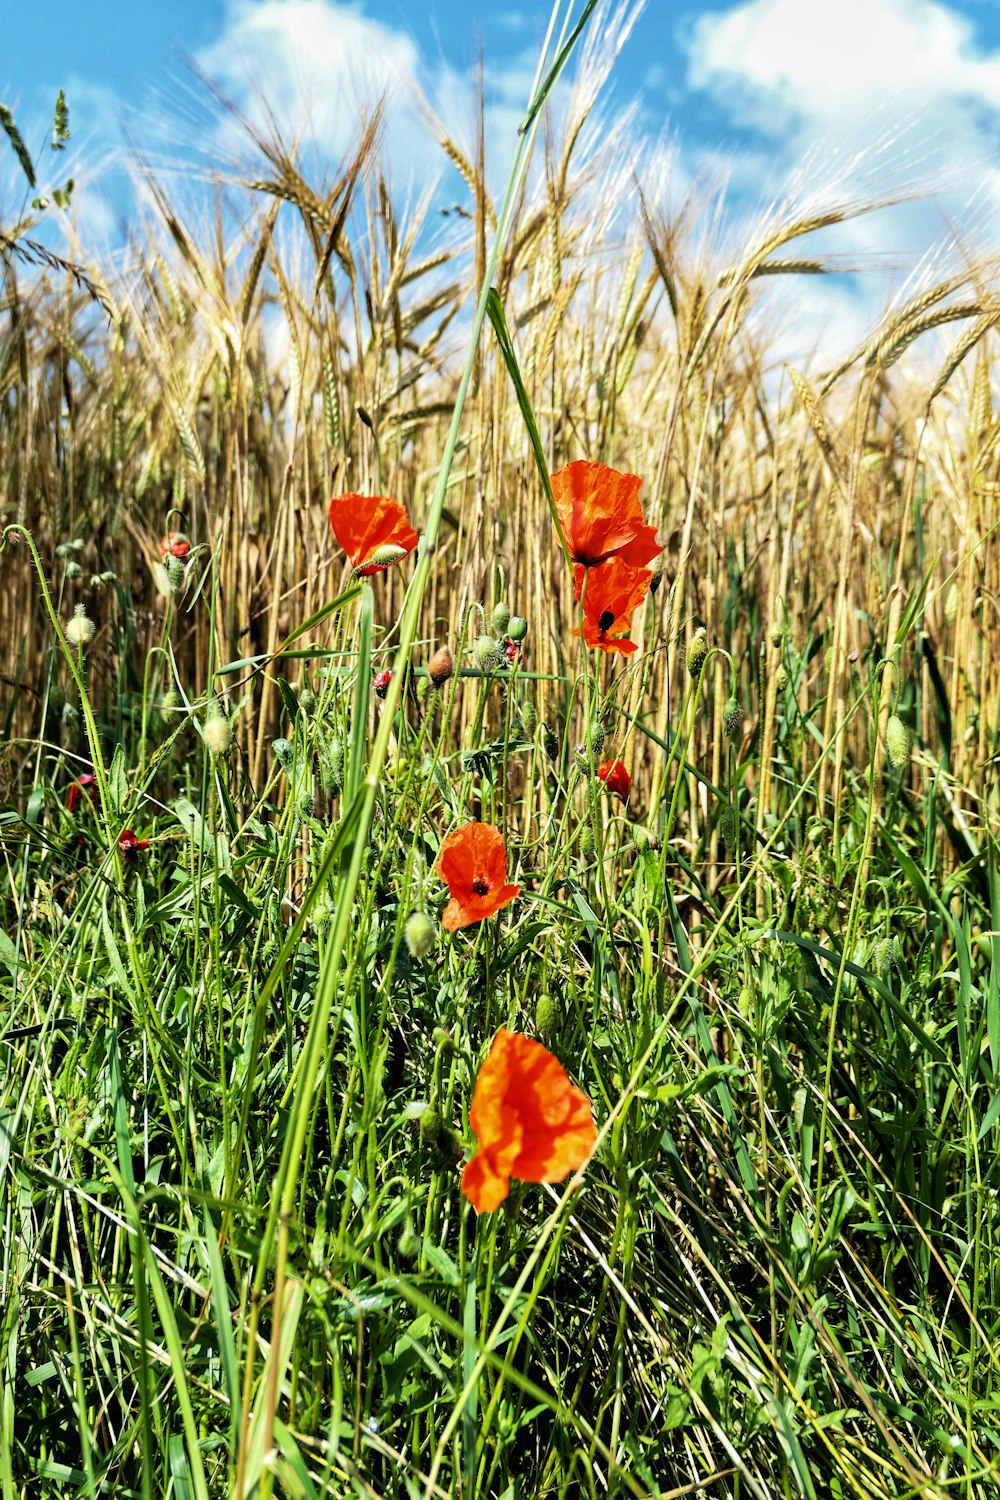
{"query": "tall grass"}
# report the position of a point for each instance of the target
(236, 1259)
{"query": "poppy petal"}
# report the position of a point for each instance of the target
(530, 1121)
(363, 524)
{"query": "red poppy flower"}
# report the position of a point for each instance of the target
(175, 544)
(613, 591)
(530, 1121)
(373, 530)
(85, 783)
(600, 515)
(473, 861)
(130, 847)
(381, 683)
(615, 778)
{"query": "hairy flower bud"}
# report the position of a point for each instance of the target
(217, 733)
(897, 742)
(487, 654)
(441, 666)
(732, 719)
(546, 1017)
(500, 618)
(175, 574)
(697, 651)
(420, 933)
(81, 629)
(284, 754)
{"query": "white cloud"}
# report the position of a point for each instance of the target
(773, 61)
(869, 97)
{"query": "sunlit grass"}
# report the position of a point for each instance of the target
(238, 1061)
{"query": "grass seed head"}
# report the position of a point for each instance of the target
(729, 827)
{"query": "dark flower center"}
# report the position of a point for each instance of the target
(606, 621)
(481, 885)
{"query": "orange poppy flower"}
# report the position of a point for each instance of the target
(373, 530)
(600, 515)
(613, 591)
(175, 544)
(616, 778)
(530, 1121)
(473, 861)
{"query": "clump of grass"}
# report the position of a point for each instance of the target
(239, 1057)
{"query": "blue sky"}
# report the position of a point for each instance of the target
(748, 90)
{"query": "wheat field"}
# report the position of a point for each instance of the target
(236, 1259)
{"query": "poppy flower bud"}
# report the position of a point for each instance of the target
(408, 1245)
(546, 1017)
(551, 742)
(441, 666)
(335, 763)
(443, 1041)
(387, 556)
(284, 754)
(897, 742)
(510, 651)
(776, 635)
(381, 683)
(529, 720)
(697, 651)
(732, 719)
(517, 628)
(487, 654)
(781, 677)
(886, 957)
(175, 574)
(420, 933)
(81, 629)
(500, 618)
(587, 845)
(643, 839)
(217, 734)
(431, 1125)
